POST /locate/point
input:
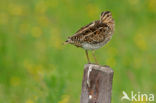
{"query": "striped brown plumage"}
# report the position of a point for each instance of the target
(95, 34)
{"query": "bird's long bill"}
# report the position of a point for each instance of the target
(66, 42)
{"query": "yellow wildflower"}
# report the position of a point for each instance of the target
(140, 41)
(65, 99)
(36, 32)
(92, 10)
(43, 20)
(28, 65)
(133, 2)
(29, 101)
(54, 4)
(36, 71)
(16, 10)
(15, 81)
(4, 18)
(24, 28)
(41, 7)
(112, 51)
(56, 38)
(152, 5)
(111, 61)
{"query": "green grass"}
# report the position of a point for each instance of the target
(36, 68)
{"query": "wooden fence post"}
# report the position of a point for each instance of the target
(96, 84)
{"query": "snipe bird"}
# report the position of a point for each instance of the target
(94, 35)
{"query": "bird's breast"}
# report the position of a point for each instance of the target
(89, 46)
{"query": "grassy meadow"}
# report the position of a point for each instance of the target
(36, 68)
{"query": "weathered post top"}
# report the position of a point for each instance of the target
(97, 84)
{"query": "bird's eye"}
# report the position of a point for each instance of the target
(107, 15)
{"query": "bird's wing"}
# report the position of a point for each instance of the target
(98, 34)
(83, 32)
(82, 29)
(93, 33)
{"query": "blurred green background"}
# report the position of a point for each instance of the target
(36, 68)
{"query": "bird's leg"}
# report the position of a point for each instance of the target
(93, 53)
(87, 56)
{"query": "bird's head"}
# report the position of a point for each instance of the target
(68, 41)
(106, 17)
